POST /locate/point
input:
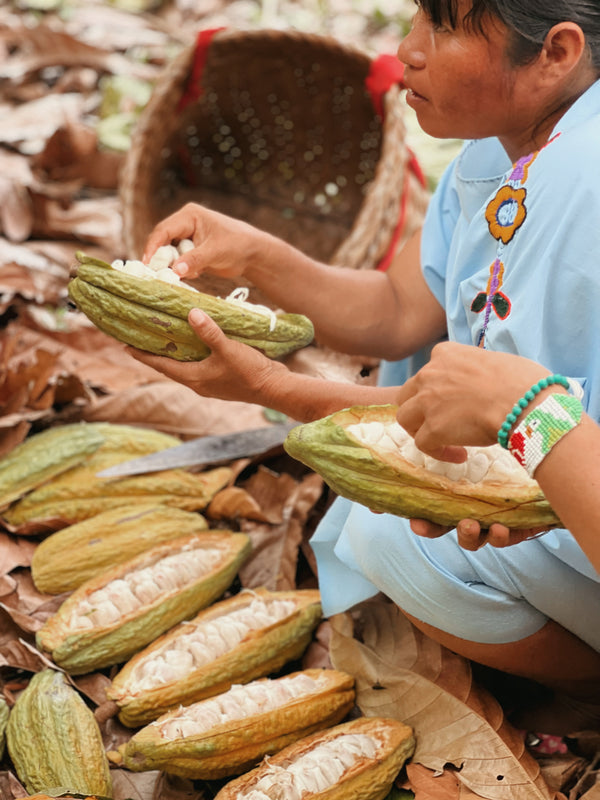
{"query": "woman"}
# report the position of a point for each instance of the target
(506, 261)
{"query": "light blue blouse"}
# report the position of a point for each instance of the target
(550, 312)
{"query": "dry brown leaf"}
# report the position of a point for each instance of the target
(95, 220)
(234, 503)
(403, 674)
(593, 793)
(152, 785)
(274, 559)
(71, 153)
(10, 787)
(166, 405)
(28, 126)
(14, 552)
(16, 211)
(42, 46)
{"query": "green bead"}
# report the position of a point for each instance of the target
(529, 395)
(523, 403)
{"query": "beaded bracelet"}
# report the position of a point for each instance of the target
(542, 428)
(524, 401)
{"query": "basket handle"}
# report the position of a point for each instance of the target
(193, 89)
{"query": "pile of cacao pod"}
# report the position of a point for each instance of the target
(205, 676)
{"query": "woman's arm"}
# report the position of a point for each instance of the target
(235, 371)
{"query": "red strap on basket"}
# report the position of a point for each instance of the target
(193, 90)
(386, 71)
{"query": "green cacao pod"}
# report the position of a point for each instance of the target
(43, 456)
(356, 760)
(106, 443)
(364, 455)
(152, 315)
(69, 557)
(114, 615)
(247, 636)
(54, 740)
(79, 494)
(230, 733)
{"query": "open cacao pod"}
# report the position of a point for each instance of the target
(231, 732)
(247, 636)
(114, 615)
(363, 454)
(357, 760)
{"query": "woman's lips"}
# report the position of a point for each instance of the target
(413, 95)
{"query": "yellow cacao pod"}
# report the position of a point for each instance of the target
(69, 557)
(43, 456)
(152, 315)
(79, 494)
(231, 732)
(248, 636)
(364, 455)
(114, 615)
(356, 760)
(54, 741)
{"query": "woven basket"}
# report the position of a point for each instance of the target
(277, 128)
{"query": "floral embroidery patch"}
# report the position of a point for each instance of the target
(505, 214)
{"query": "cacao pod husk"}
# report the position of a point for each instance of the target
(67, 558)
(108, 444)
(53, 739)
(237, 743)
(385, 479)
(79, 493)
(167, 595)
(43, 456)
(387, 745)
(184, 665)
(152, 315)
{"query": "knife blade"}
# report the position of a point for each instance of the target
(205, 450)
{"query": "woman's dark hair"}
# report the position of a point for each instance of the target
(528, 20)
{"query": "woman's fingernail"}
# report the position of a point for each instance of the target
(181, 268)
(197, 316)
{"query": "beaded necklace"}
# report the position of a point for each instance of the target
(505, 214)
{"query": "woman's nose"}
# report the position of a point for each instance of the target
(411, 51)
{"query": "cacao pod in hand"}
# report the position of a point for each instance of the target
(151, 314)
(363, 454)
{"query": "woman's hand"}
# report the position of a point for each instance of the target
(232, 371)
(461, 398)
(222, 244)
(471, 536)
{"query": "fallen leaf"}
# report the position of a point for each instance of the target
(403, 674)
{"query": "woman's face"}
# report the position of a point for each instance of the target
(461, 85)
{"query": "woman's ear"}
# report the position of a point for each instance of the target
(564, 51)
